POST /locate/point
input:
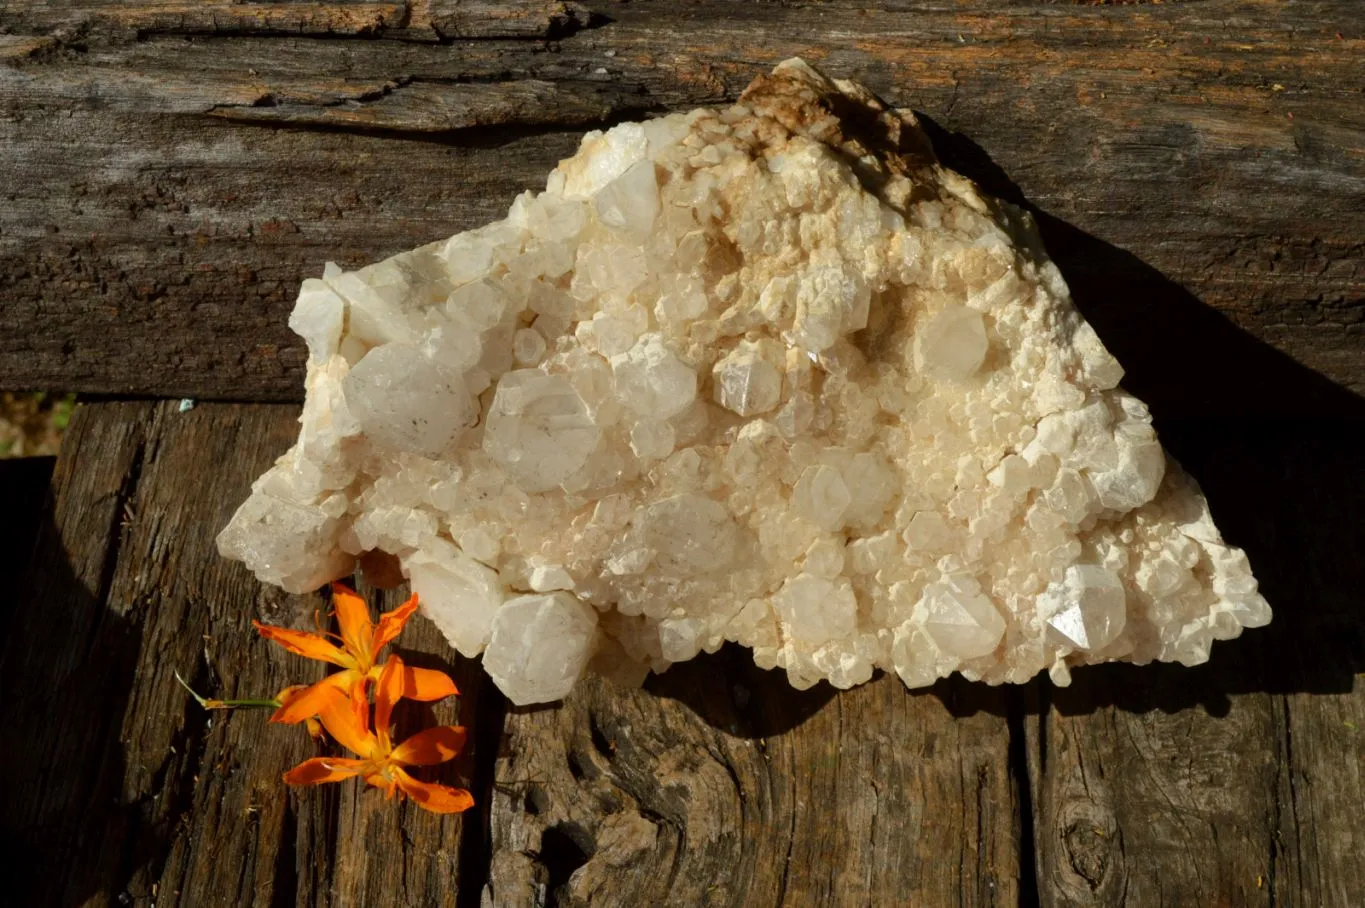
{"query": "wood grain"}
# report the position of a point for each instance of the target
(122, 788)
(82, 659)
(1233, 783)
(1236, 782)
(174, 170)
(719, 785)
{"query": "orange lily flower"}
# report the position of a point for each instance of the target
(379, 763)
(288, 696)
(357, 656)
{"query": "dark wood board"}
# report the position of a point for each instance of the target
(172, 170)
(717, 783)
(1237, 782)
(1233, 783)
(119, 789)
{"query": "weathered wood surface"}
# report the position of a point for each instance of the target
(1240, 780)
(172, 170)
(1235, 783)
(717, 785)
(117, 788)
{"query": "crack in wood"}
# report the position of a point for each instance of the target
(411, 104)
(285, 879)
(476, 845)
(1022, 779)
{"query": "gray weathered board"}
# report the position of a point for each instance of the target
(174, 168)
(170, 170)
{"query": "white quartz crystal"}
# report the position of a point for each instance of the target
(518, 658)
(764, 375)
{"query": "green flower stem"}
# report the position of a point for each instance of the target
(208, 703)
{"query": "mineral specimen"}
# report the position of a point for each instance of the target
(769, 375)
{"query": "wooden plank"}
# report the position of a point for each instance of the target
(427, 21)
(124, 789)
(1321, 784)
(1144, 806)
(1322, 645)
(173, 178)
(64, 648)
(915, 790)
(720, 785)
(1234, 783)
(214, 812)
(1237, 782)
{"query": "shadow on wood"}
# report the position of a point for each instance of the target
(1185, 359)
(24, 488)
(66, 675)
(1278, 449)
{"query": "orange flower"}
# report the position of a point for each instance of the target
(288, 696)
(379, 763)
(357, 656)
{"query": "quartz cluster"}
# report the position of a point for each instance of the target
(769, 374)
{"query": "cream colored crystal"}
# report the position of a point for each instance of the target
(761, 375)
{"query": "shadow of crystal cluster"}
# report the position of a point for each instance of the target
(770, 375)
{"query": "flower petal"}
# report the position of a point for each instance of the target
(429, 747)
(353, 617)
(344, 720)
(377, 780)
(305, 644)
(427, 684)
(388, 690)
(391, 625)
(436, 798)
(323, 769)
(291, 692)
(360, 693)
(299, 703)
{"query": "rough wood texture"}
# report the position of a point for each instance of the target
(120, 788)
(719, 785)
(1237, 782)
(1234, 783)
(175, 169)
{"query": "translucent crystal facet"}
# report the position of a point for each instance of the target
(1087, 610)
(539, 646)
(769, 375)
(539, 429)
